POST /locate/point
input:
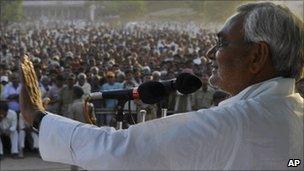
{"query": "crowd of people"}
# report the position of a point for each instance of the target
(72, 62)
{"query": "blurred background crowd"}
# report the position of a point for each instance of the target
(72, 62)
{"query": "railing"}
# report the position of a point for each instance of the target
(106, 111)
(131, 116)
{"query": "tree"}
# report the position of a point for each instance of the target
(123, 8)
(215, 11)
(11, 11)
(197, 5)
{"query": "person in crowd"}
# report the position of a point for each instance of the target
(259, 127)
(202, 99)
(130, 83)
(137, 76)
(8, 126)
(219, 96)
(83, 83)
(121, 76)
(66, 94)
(54, 94)
(111, 84)
(146, 73)
(11, 93)
(24, 129)
(156, 76)
(95, 83)
(76, 109)
(45, 83)
(183, 101)
(4, 81)
(151, 109)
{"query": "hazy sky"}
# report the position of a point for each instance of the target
(295, 6)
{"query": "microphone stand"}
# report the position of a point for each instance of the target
(164, 108)
(120, 113)
(143, 114)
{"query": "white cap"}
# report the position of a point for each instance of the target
(197, 61)
(4, 78)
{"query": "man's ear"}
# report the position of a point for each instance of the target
(260, 56)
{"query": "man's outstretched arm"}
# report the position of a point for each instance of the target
(177, 142)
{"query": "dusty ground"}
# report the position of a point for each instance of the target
(31, 161)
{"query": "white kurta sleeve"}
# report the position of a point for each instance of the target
(185, 141)
(55, 138)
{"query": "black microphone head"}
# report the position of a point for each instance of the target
(151, 92)
(187, 83)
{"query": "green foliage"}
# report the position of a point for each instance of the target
(217, 11)
(197, 5)
(153, 6)
(207, 11)
(11, 10)
(124, 7)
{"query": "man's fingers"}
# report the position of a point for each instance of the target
(22, 80)
(24, 104)
(23, 92)
(24, 97)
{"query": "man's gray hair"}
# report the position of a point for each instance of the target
(281, 30)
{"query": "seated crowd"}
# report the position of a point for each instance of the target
(72, 62)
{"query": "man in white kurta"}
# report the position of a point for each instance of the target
(8, 126)
(259, 128)
(23, 128)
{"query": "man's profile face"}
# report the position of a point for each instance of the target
(229, 57)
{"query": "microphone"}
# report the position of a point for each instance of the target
(149, 92)
(152, 92)
(185, 83)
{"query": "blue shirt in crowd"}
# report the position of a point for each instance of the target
(111, 103)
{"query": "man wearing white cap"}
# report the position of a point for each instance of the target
(3, 82)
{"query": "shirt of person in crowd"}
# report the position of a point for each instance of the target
(9, 123)
(8, 126)
(11, 93)
(202, 98)
(111, 85)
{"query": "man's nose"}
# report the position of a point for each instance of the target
(211, 53)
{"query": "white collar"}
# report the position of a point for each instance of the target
(274, 86)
